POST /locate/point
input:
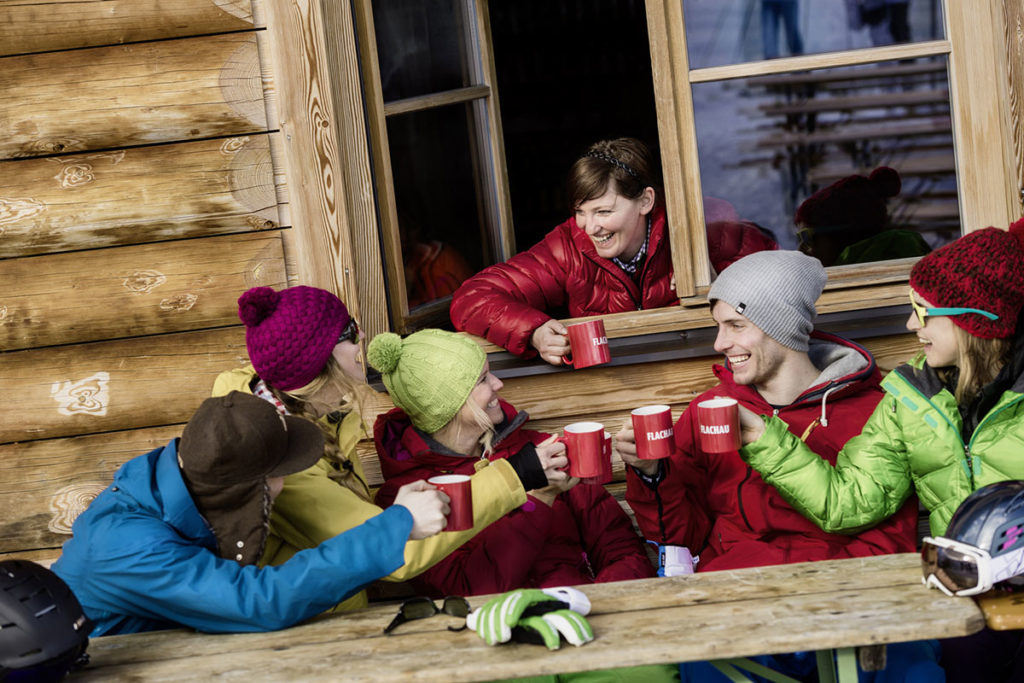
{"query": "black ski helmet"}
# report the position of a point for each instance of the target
(43, 630)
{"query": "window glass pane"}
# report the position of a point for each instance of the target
(767, 144)
(436, 194)
(733, 31)
(419, 47)
(568, 74)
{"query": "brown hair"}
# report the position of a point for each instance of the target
(301, 402)
(625, 164)
(979, 362)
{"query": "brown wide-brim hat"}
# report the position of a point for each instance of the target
(227, 450)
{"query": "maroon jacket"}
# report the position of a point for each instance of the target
(584, 537)
(506, 302)
(721, 508)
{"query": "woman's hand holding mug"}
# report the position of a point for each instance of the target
(551, 341)
(551, 454)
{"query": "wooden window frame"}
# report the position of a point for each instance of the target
(335, 240)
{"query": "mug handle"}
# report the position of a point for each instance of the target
(567, 359)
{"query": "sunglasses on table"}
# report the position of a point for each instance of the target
(959, 569)
(423, 607)
(923, 313)
(350, 333)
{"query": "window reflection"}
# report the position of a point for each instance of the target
(437, 201)
(735, 31)
(798, 155)
(418, 47)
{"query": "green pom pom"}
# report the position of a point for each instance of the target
(384, 352)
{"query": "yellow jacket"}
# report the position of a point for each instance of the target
(312, 507)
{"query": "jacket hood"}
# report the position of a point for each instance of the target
(845, 367)
(402, 447)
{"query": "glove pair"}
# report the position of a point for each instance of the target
(534, 616)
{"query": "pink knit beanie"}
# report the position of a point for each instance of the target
(290, 334)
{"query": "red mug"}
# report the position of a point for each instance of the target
(588, 345)
(652, 427)
(460, 489)
(606, 464)
(718, 420)
(585, 448)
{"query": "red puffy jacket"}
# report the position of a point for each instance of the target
(584, 537)
(506, 302)
(719, 507)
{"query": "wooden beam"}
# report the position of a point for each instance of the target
(143, 93)
(131, 291)
(48, 25)
(322, 241)
(127, 384)
(141, 194)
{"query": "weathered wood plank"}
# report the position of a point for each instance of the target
(47, 25)
(128, 384)
(45, 484)
(137, 94)
(131, 291)
(142, 194)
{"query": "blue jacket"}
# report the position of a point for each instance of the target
(143, 558)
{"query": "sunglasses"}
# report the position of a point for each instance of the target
(423, 607)
(923, 313)
(350, 333)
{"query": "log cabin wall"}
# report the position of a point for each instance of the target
(138, 198)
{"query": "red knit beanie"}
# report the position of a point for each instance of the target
(290, 334)
(855, 202)
(983, 269)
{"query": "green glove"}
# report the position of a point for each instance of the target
(494, 621)
(532, 616)
(570, 625)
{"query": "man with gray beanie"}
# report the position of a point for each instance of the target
(822, 386)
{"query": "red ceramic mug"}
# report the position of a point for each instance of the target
(606, 464)
(460, 489)
(718, 420)
(652, 428)
(584, 446)
(589, 345)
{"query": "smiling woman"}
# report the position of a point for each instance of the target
(611, 256)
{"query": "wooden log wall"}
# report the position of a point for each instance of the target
(139, 196)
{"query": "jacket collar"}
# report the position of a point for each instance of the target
(844, 367)
(171, 494)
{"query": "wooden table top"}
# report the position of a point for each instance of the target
(807, 606)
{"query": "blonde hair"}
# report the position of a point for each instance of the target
(302, 402)
(450, 433)
(979, 362)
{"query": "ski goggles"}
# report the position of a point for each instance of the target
(960, 569)
(923, 313)
(423, 607)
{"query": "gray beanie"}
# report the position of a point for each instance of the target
(776, 291)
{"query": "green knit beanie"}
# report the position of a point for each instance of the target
(429, 374)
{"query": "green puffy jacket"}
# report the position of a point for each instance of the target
(912, 441)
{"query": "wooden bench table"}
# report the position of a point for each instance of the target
(717, 616)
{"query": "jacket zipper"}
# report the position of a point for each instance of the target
(967, 448)
(739, 488)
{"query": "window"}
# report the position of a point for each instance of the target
(754, 107)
